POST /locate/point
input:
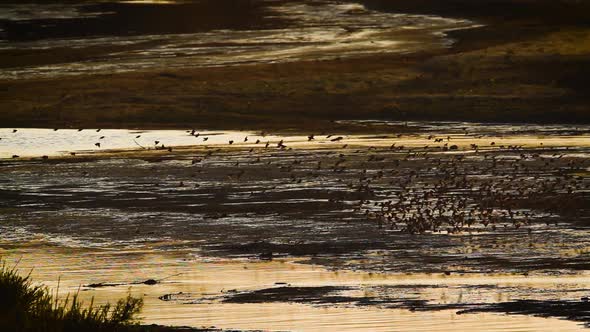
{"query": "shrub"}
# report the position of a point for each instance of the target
(28, 307)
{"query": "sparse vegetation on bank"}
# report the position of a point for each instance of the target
(25, 306)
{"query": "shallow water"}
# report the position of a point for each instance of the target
(208, 209)
(318, 30)
(198, 278)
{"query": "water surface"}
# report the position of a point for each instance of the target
(302, 30)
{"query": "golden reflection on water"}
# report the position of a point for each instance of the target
(202, 278)
(28, 142)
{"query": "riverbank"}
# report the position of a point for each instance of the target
(508, 71)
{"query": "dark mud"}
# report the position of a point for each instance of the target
(578, 311)
(331, 295)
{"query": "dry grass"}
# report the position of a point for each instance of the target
(28, 307)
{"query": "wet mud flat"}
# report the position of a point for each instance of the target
(58, 40)
(571, 310)
(437, 204)
(521, 63)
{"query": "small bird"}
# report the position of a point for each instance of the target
(156, 142)
(14, 130)
(97, 144)
(138, 136)
(15, 156)
(98, 130)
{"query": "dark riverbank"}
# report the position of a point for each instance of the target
(530, 63)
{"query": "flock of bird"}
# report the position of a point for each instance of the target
(432, 188)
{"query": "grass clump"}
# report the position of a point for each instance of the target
(28, 307)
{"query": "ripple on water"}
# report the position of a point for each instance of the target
(209, 278)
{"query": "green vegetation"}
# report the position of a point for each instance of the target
(28, 307)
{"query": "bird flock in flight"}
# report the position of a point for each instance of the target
(438, 187)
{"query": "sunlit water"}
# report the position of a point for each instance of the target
(27, 142)
(198, 278)
(320, 30)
